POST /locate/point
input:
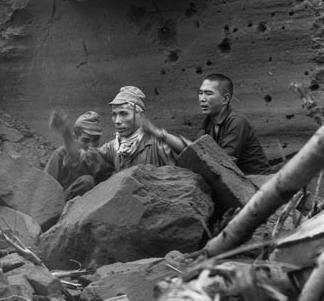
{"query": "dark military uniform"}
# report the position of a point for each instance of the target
(236, 136)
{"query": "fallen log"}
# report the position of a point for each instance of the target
(273, 194)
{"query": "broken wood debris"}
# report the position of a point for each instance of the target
(273, 194)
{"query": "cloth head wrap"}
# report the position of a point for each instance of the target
(89, 123)
(130, 95)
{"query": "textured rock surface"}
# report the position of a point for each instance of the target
(20, 224)
(135, 279)
(43, 282)
(77, 54)
(22, 278)
(12, 278)
(11, 262)
(19, 287)
(8, 7)
(230, 187)
(30, 190)
(143, 211)
(18, 140)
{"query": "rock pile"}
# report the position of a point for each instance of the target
(140, 214)
(21, 279)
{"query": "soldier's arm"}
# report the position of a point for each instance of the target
(59, 122)
(174, 142)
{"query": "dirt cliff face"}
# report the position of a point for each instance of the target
(77, 54)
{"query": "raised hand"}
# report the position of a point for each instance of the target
(175, 143)
(58, 121)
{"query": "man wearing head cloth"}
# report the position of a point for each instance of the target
(75, 180)
(137, 140)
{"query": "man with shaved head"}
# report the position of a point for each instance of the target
(229, 129)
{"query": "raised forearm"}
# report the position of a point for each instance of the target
(70, 144)
(175, 142)
(59, 123)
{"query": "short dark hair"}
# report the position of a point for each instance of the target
(225, 82)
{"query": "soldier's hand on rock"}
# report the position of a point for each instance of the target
(58, 121)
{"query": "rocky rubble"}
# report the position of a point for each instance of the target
(21, 279)
(122, 231)
(141, 212)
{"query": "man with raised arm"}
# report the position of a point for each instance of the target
(137, 140)
(86, 133)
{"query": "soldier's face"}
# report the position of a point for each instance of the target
(210, 97)
(124, 121)
(85, 140)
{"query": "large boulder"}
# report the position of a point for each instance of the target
(30, 190)
(143, 211)
(230, 187)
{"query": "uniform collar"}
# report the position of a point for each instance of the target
(222, 115)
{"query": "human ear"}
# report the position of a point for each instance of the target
(76, 134)
(226, 98)
(138, 116)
